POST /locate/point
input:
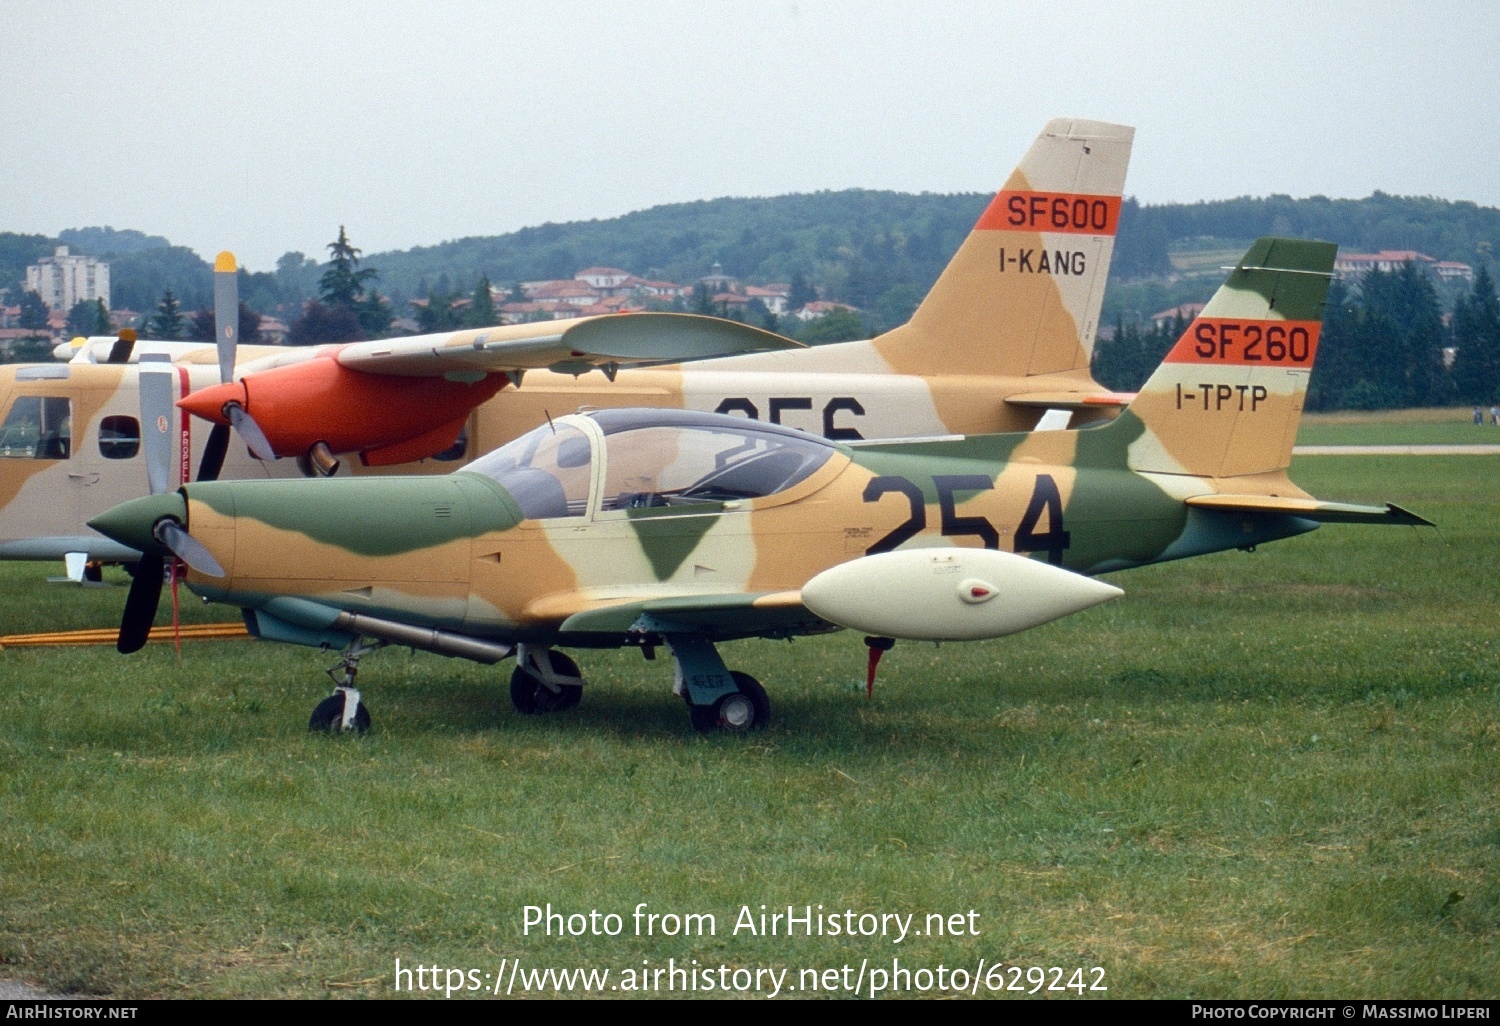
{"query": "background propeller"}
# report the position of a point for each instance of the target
(167, 535)
(226, 339)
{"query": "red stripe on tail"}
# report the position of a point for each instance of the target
(1067, 213)
(1247, 343)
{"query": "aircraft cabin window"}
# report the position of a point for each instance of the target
(119, 437)
(695, 459)
(37, 428)
(546, 471)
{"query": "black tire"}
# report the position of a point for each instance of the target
(730, 713)
(325, 718)
(530, 696)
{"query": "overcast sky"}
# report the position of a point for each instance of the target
(261, 127)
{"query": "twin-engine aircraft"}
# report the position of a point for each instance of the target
(1001, 342)
(677, 528)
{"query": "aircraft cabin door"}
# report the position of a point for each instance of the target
(41, 484)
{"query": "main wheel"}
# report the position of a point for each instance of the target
(329, 714)
(530, 696)
(748, 708)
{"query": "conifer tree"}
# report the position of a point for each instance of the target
(1476, 336)
(168, 322)
(481, 312)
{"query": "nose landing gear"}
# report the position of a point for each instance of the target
(343, 710)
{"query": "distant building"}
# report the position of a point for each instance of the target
(603, 277)
(821, 308)
(574, 292)
(717, 281)
(660, 289)
(1452, 270)
(273, 330)
(1387, 260)
(774, 296)
(63, 280)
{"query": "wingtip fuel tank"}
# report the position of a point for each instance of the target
(950, 594)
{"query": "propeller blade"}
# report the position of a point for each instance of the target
(140, 604)
(214, 453)
(226, 312)
(255, 438)
(156, 419)
(187, 548)
(124, 345)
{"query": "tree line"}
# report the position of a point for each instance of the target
(1385, 344)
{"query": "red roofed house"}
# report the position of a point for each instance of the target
(603, 277)
(575, 292)
(773, 295)
(1388, 260)
(1452, 270)
(819, 308)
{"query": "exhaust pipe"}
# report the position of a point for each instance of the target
(446, 643)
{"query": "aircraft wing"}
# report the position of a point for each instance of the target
(719, 617)
(1072, 400)
(1311, 509)
(574, 346)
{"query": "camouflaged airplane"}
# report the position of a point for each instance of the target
(1001, 343)
(657, 527)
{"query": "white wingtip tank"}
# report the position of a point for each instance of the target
(949, 594)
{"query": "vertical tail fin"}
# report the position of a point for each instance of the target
(1022, 294)
(1227, 399)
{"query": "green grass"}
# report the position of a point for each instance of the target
(1259, 774)
(1397, 427)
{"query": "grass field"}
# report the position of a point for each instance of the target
(1268, 774)
(1454, 426)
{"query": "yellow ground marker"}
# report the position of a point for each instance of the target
(107, 635)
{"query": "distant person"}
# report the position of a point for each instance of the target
(1495, 415)
(1479, 416)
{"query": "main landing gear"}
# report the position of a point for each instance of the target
(544, 681)
(343, 711)
(718, 698)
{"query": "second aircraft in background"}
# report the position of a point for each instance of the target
(1004, 336)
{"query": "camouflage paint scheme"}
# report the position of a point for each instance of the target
(1196, 464)
(1004, 335)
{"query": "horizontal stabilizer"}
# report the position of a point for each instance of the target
(568, 347)
(1311, 509)
(1071, 400)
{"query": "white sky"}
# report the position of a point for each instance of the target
(261, 127)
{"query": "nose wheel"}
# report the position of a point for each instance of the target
(342, 711)
(339, 712)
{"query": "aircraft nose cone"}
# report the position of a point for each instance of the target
(130, 522)
(209, 403)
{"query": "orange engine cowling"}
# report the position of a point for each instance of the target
(320, 400)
